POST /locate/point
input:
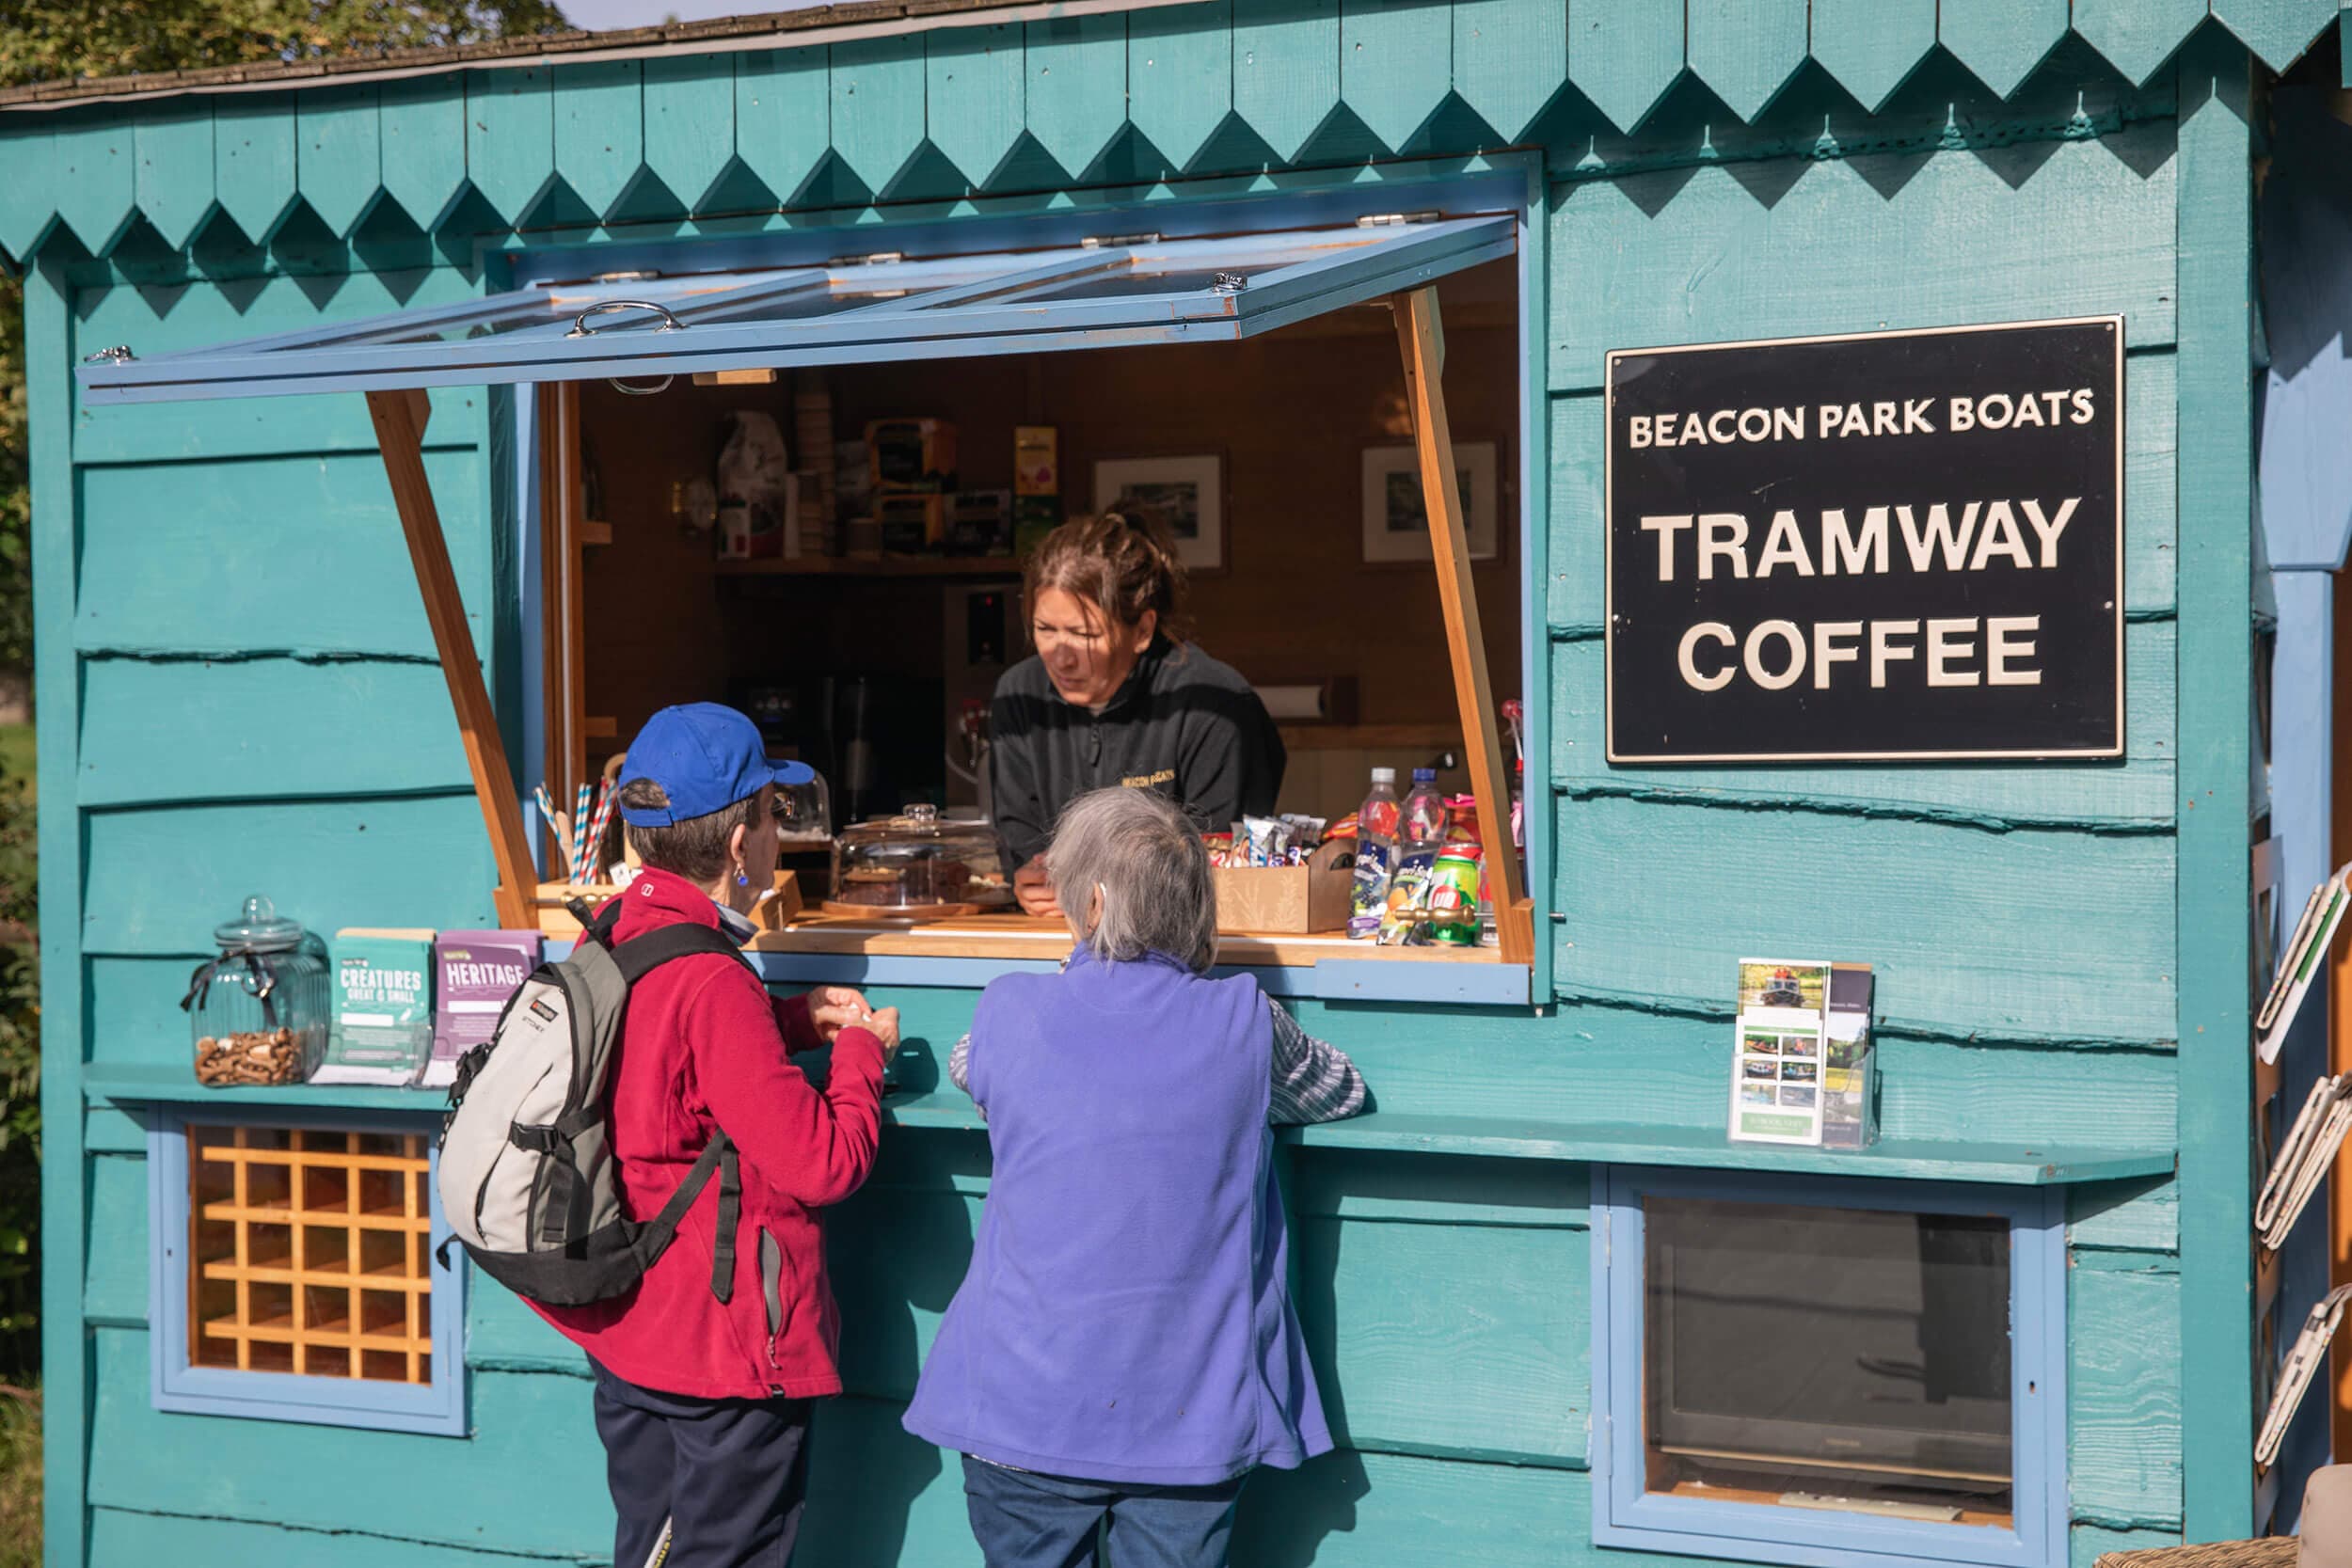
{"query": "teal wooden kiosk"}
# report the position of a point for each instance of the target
(362, 398)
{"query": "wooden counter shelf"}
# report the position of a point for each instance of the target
(970, 951)
(1002, 936)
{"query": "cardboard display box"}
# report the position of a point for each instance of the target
(1286, 900)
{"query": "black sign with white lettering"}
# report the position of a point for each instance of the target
(1890, 546)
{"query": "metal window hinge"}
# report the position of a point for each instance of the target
(1384, 220)
(118, 354)
(645, 277)
(876, 259)
(1229, 283)
(1106, 241)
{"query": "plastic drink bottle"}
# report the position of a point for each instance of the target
(1424, 816)
(1376, 854)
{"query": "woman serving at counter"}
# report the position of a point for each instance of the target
(1114, 696)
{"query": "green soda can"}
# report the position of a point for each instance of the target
(1454, 896)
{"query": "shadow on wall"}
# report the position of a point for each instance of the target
(895, 1253)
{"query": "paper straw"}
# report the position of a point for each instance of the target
(558, 829)
(579, 831)
(597, 829)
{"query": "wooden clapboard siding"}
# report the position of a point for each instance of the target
(974, 80)
(1180, 76)
(175, 170)
(134, 1006)
(2124, 1392)
(1577, 586)
(2130, 1216)
(504, 1334)
(442, 1492)
(1497, 1316)
(129, 1535)
(1623, 57)
(1695, 256)
(340, 153)
(253, 163)
(2028, 935)
(1396, 64)
(163, 731)
(97, 177)
(206, 575)
(689, 137)
(599, 129)
(160, 879)
(114, 1285)
(2001, 40)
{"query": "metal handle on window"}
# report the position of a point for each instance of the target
(582, 329)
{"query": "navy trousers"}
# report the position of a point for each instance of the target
(1025, 1520)
(702, 1483)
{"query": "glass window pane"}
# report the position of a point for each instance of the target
(1151, 279)
(1831, 1358)
(796, 305)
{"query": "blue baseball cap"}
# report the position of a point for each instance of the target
(705, 757)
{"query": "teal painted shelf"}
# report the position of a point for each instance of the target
(1707, 1149)
(1395, 1132)
(1689, 1148)
(177, 1085)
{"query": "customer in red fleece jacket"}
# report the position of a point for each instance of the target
(704, 1402)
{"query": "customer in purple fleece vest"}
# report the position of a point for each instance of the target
(1123, 1347)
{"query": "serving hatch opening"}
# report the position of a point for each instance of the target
(1150, 302)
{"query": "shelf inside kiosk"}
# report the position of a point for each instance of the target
(1326, 419)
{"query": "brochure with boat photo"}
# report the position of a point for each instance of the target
(1781, 1052)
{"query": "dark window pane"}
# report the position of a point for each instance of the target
(1828, 1358)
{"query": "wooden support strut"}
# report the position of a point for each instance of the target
(1422, 337)
(400, 419)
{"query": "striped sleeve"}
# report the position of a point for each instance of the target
(1313, 1080)
(960, 1064)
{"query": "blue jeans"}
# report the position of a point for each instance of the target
(1025, 1520)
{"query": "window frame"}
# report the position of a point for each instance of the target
(437, 1409)
(1625, 1514)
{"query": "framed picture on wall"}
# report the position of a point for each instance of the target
(1185, 494)
(1396, 521)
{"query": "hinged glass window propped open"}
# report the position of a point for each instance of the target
(844, 312)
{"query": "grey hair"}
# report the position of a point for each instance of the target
(1142, 858)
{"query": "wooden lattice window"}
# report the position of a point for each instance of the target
(309, 1252)
(295, 1273)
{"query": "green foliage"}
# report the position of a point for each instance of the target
(19, 1082)
(45, 40)
(20, 1480)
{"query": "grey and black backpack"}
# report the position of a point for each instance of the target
(527, 1178)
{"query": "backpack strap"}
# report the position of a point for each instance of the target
(640, 956)
(653, 1238)
(636, 959)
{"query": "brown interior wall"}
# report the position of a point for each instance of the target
(1290, 414)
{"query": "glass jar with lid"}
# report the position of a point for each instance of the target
(258, 1013)
(916, 867)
